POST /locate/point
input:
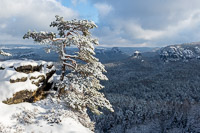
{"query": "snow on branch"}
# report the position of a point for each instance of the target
(39, 36)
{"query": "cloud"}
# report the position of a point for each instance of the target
(103, 8)
(121, 22)
(18, 16)
(135, 31)
(152, 22)
(75, 2)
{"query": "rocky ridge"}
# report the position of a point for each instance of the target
(180, 52)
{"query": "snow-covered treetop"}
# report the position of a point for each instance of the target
(67, 32)
(73, 26)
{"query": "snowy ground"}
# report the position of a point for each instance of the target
(47, 116)
(38, 117)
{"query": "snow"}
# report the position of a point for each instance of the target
(69, 125)
(137, 52)
(45, 116)
(9, 115)
(17, 63)
(4, 53)
(36, 74)
(18, 76)
(7, 89)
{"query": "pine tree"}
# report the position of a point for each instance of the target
(79, 87)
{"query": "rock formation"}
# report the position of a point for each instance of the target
(31, 78)
(180, 52)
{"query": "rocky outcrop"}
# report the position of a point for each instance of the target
(33, 74)
(180, 52)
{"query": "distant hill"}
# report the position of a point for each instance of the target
(37, 52)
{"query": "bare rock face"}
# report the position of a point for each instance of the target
(27, 74)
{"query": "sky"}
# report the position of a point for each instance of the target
(123, 23)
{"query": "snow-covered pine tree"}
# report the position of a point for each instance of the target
(79, 87)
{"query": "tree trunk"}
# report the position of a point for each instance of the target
(63, 61)
(63, 72)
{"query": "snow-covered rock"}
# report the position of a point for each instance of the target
(137, 54)
(4, 53)
(180, 52)
(23, 80)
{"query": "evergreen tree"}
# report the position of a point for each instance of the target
(79, 87)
